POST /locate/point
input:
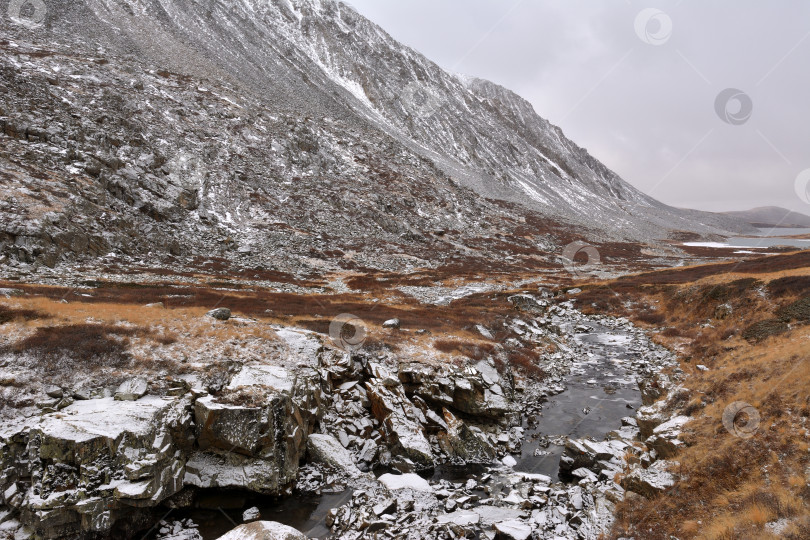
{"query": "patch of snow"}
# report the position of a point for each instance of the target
(404, 481)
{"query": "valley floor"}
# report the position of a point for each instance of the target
(672, 403)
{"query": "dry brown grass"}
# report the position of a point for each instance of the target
(731, 487)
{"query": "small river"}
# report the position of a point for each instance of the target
(600, 391)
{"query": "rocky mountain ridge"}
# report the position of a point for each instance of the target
(292, 135)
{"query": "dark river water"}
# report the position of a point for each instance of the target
(598, 392)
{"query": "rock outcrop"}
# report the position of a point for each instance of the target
(397, 414)
(96, 462)
(461, 442)
(255, 435)
(476, 390)
(99, 464)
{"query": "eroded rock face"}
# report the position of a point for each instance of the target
(478, 390)
(100, 465)
(260, 426)
(89, 465)
(463, 443)
(396, 412)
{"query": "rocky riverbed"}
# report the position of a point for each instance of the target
(351, 444)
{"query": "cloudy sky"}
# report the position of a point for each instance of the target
(637, 84)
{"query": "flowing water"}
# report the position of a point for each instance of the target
(598, 391)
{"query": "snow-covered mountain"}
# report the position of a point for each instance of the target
(287, 133)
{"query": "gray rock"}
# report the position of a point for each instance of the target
(664, 439)
(461, 442)
(394, 410)
(462, 518)
(131, 390)
(220, 314)
(263, 530)
(392, 323)
(651, 481)
(512, 530)
(327, 450)
(251, 514)
(140, 443)
(53, 391)
(388, 506)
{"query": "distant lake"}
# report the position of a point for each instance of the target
(782, 231)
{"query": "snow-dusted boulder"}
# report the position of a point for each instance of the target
(410, 481)
(664, 439)
(513, 529)
(583, 453)
(651, 481)
(327, 450)
(90, 464)
(263, 530)
(254, 442)
(220, 314)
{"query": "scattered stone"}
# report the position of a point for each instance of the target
(392, 323)
(327, 450)
(131, 390)
(251, 514)
(220, 314)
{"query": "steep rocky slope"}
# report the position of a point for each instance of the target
(292, 135)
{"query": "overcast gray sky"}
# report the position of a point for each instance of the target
(644, 108)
